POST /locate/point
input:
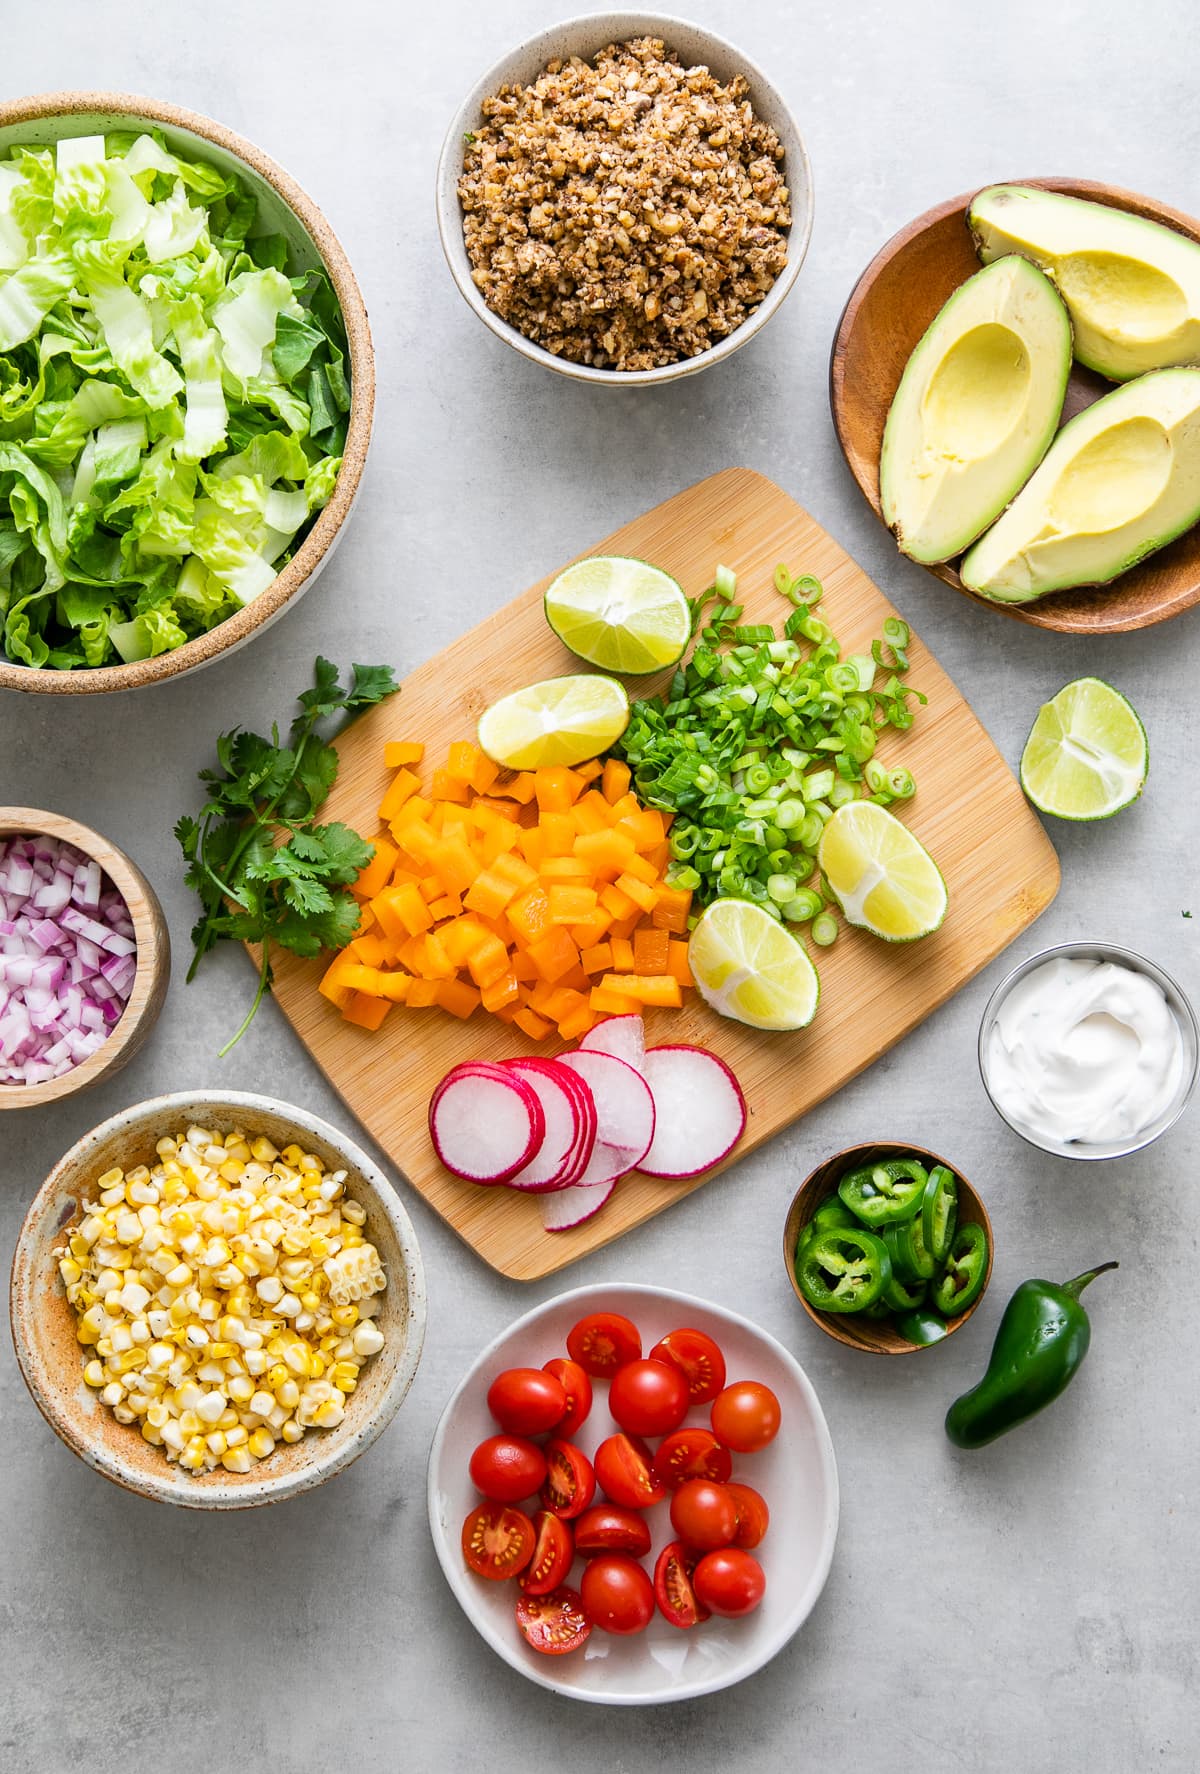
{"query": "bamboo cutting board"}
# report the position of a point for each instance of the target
(1000, 869)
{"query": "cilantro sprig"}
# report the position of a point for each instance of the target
(264, 869)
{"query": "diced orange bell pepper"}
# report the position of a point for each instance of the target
(456, 996)
(651, 950)
(677, 962)
(606, 852)
(608, 1003)
(622, 954)
(642, 895)
(423, 994)
(662, 990)
(592, 813)
(462, 938)
(590, 931)
(529, 915)
(558, 833)
(401, 788)
(376, 873)
(395, 986)
(615, 779)
(454, 865)
(588, 772)
(671, 909)
(450, 788)
(489, 893)
(461, 760)
(597, 959)
(554, 954)
(488, 961)
(618, 903)
(501, 991)
(556, 788)
(578, 1024)
(531, 1024)
(364, 1012)
(402, 751)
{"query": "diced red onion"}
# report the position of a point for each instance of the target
(67, 958)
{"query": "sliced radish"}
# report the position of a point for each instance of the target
(571, 1207)
(570, 1131)
(624, 1115)
(624, 1037)
(700, 1112)
(486, 1123)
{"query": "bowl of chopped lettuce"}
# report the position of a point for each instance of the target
(186, 391)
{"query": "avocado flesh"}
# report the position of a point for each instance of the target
(975, 410)
(1120, 480)
(1132, 287)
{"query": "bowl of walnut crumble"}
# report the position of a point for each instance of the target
(624, 199)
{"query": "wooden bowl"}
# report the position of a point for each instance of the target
(153, 957)
(286, 209)
(878, 1336)
(892, 304)
(52, 1361)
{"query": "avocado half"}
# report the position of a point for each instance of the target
(975, 410)
(1132, 286)
(1120, 480)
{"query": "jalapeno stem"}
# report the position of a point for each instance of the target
(1076, 1287)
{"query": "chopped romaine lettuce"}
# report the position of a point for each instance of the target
(172, 401)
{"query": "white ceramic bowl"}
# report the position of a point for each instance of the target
(796, 1474)
(284, 208)
(1180, 1009)
(43, 1321)
(583, 37)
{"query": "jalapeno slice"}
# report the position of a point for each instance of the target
(911, 1258)
(902, 1295)
(832, 1212)
(939, 1212)
(922, 1328)
(886, 1193)
(961, 1281)
(842, 1269)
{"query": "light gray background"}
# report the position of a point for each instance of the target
(1030, 1607)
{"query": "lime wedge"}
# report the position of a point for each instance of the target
(748, 967)
(622, 615)
(884, 880)
(559, 721)
(1086, 756)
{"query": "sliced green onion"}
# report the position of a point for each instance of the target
(804, 906)
(824, 929)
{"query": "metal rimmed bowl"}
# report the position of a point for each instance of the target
(52, 1361)
(284, 208)
(153, 957)
(1177, 1003)
(878, 1336)
(583, 37)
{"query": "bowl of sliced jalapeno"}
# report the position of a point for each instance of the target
(888, 1248)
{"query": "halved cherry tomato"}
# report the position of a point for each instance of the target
(527, 1400)
(648, 1397)
(497, 1542)
(570, 1482)
(607, 1528)
(673, 1591)
(507, 1468)
(553, 1555)
(700, 1358)
(729, 1582)
(578, 1389)
(603, 1342)
(554, 1623)
(624, 1472)
(618, 1596)
(704, 1515)
(752, 1513)
(746, 1416)
(691, 1453)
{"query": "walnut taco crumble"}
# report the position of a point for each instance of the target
(626, 212)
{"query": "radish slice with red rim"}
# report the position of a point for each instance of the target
(571, 1207)
(700, 1111)
(624, 1037)
(624, 1114)
(486, 1123)
(568, 1141)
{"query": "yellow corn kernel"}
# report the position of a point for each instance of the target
(261, 1443)
(344, 1375)
(190, 1423)
(237, 1460)
(222, 1351)
(93, 1374)
(236, 1437)
(345, 1316)
(88, 1328)
(70, 1271)
(158, 1415)
(241, 1389)
(228, 1419)
(291, 1431)
(215, 1442)
(288, 1395)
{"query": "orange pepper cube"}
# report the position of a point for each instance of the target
(618, 903)
(423, 994)
(489, 893)
(501, 991)
(529, 915)
(569, 904)
(597, 959)
(615, 779)
(622, 954)
(407, 907)
(677, 962)
(575, 1026)
(639, 892)
(402, 751)
(488, 961)
(456, 996)
(402, 786)
(377, 871)
(531, 1024)
(554, 955)
(364, 1012)
(556, 788)
(671, 909)
(450, 788)
(609, 1003)
(651, 950)
(461, 938)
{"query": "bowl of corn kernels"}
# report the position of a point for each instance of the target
(217, 1301)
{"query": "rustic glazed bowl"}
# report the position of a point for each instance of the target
(890, 307)
(52, 1361)
(153, 957)
(878, 1336)
(583, 37)
(284, 208)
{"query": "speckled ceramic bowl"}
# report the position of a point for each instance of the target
(52, 1361)
(153, 957)
(583, 37)
(284, 208)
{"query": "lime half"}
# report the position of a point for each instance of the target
(748, 967)
(883, 878)
(559, 721)
(1086, 756)
(619, 614)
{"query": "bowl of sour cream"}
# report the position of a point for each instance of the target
(1088, 1050)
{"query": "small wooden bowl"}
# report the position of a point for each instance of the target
(52, 1361)
(892, 304)
(878, 1336)
(285, 208)
(153, 957)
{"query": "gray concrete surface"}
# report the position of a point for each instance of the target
(1029, 1608)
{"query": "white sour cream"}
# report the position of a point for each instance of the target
(1084, 1052)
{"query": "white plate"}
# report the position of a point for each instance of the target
(797, 1475)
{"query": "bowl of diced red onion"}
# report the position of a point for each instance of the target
(84, 957)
